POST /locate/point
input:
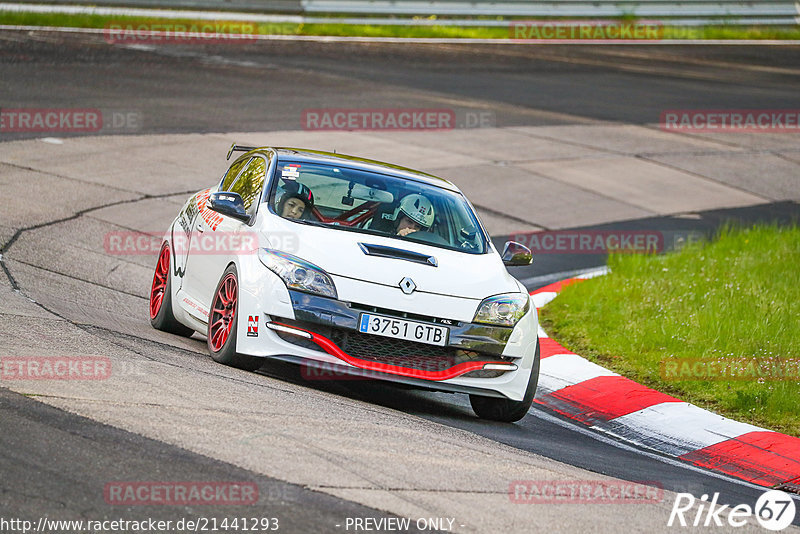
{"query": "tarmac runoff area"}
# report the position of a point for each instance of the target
(68, 194)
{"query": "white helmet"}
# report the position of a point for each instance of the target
(417, 208)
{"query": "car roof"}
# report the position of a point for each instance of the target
(318, 156)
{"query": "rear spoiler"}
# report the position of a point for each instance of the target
(239, 148)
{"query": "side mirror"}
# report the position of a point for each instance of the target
(230, 204)
(515, 254)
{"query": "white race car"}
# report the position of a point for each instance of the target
(350, 266)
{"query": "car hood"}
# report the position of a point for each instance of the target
(338, 252)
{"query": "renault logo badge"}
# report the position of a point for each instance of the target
(407, 285)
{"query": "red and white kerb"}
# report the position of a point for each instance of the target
(597, 397)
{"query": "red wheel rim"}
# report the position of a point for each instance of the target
(159, 282)
(223, 313)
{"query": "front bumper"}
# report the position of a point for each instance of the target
(329, 325)
(335, 313)
(319, 332)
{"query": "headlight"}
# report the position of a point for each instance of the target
(503, 310)
(298, 274)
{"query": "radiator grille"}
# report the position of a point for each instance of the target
(398, 352)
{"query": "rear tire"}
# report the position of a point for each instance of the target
(161, 317)
(222, 324)
(506, 410)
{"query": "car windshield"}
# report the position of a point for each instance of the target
(378, 204)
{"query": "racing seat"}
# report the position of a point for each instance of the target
(383, 220)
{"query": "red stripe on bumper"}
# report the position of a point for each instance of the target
(603, 398)
(763, 458)
(333, 349)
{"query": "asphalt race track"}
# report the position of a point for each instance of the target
(321, 452)
(265, 86)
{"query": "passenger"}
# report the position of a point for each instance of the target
(415, 214)
(296, 202)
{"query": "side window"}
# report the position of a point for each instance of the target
(250, 183)
(232, 173)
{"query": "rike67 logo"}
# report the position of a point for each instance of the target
(774, 510)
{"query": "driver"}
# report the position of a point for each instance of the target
(296, 201)
(415, 214)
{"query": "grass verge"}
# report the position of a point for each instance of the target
(353, 30)
(244, 26)
(733, 303)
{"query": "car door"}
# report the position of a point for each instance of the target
(199, 219)
(190, 220)
(221, 238)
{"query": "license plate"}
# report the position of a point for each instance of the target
(402, 329)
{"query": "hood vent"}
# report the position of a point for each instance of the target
(398, 253)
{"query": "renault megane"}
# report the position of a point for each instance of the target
(343, 263)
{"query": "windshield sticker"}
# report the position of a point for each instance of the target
(291, 172)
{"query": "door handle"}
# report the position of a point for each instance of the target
(200, 228)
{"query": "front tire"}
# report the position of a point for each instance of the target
(222, 324)
(506, 410)
(161, 317)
